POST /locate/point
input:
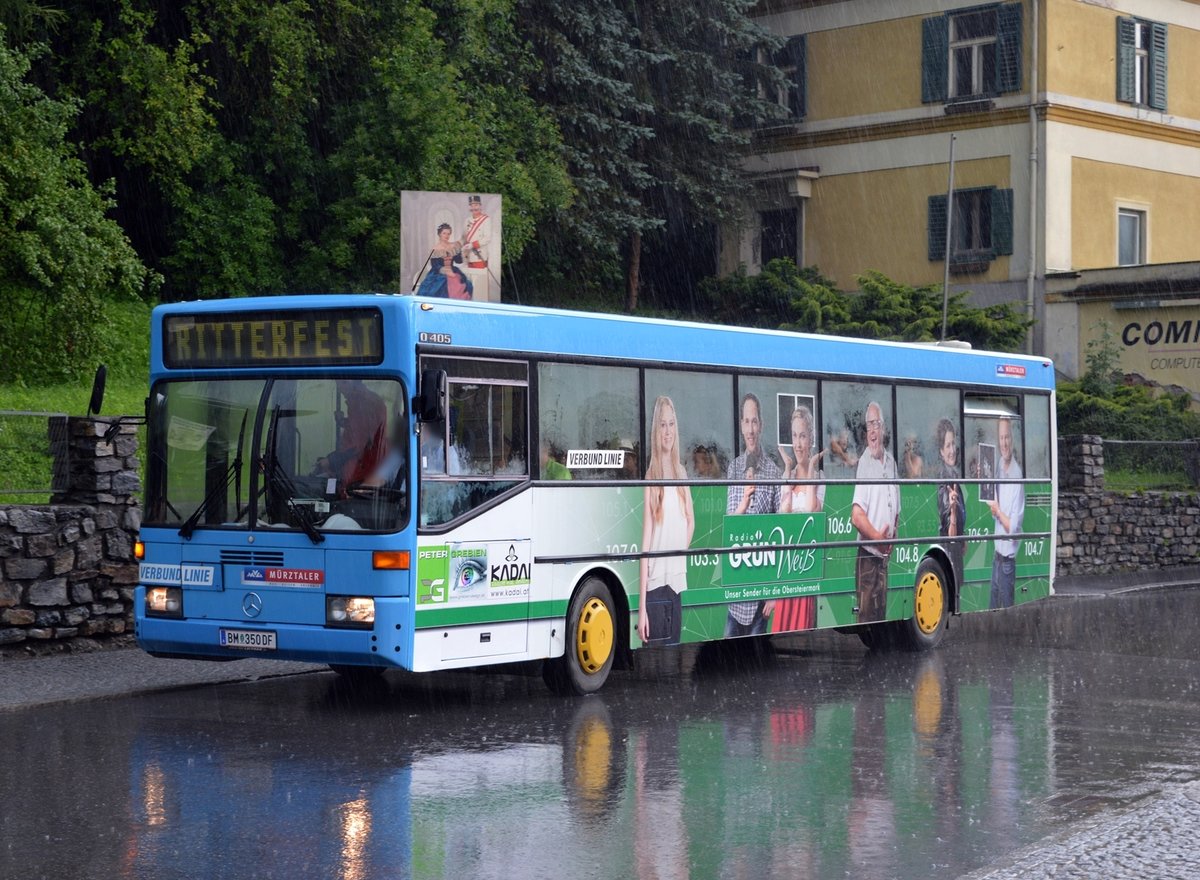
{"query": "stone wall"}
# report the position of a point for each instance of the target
(67, 572)
(1101, 532)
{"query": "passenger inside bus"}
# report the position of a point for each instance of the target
(361, 430)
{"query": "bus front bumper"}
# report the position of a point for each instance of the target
(383, 645)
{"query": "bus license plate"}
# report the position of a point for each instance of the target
(248, 639)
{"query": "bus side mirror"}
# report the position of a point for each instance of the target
(430, 402)
(97, 391)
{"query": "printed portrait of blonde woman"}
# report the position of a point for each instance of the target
(799, 612)
(801, 497)
(668, 522)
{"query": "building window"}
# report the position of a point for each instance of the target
(1131, 237)
(1142, 62)
(971, 55)
(982, 222)
(972, 221)
(780, 235)
(790, 93)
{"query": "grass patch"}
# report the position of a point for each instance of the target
(1147, 481)
(24, 441)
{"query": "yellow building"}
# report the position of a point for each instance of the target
(1076, 127)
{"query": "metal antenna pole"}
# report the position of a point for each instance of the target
(949, 237)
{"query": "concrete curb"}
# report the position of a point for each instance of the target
(1126, 582)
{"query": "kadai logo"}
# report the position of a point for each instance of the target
(514, 569)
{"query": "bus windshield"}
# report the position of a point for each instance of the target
(305, 454)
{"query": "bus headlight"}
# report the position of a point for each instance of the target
(164, 602)
(350, 611)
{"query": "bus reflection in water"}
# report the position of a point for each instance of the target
(916, 770)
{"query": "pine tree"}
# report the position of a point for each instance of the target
(655, 102)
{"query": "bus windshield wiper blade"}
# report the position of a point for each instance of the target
(283, 485)
(189, 525)
(232, 473)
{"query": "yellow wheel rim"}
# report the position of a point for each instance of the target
(927, 704)
(593, 762)
(931, 599)
(594, 636)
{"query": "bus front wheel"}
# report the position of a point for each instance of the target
(931, 608)
(591, 642)
(927, 626)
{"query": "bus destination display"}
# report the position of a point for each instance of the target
(248, 339)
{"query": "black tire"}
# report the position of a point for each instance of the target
(356, 675)
(926, 628)
(591, 642)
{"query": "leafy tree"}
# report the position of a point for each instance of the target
(264, 146)
(1103, 360)
(60, 255)
(792, 298)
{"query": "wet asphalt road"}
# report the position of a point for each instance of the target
(1034, 743)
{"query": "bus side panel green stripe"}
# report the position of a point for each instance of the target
(474, 614)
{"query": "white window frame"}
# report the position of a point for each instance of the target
(975, 46)
(1141, 62)
(1142, 211)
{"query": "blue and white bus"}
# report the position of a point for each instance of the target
(375, 481)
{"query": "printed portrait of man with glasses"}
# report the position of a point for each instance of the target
(875, 513)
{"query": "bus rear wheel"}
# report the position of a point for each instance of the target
(931, 608)
(591, 642)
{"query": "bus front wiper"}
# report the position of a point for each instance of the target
(282, 485)
(232, 473)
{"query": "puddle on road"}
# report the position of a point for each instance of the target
(817, 760)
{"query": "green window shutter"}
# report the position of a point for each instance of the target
(935, 59)
(1008, 48)
(1125, 60)
(936, 225)
(1002, 221)
(1158, 66)
(797, 48)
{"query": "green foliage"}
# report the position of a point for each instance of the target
(1103, 360)
(59, 253)
(1100, 404)
(1134, 413)
(225, 241)
(802, 300)
(1127, 412)
(265, 146)
(27, 21)
(655, 102)
(125, 350)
